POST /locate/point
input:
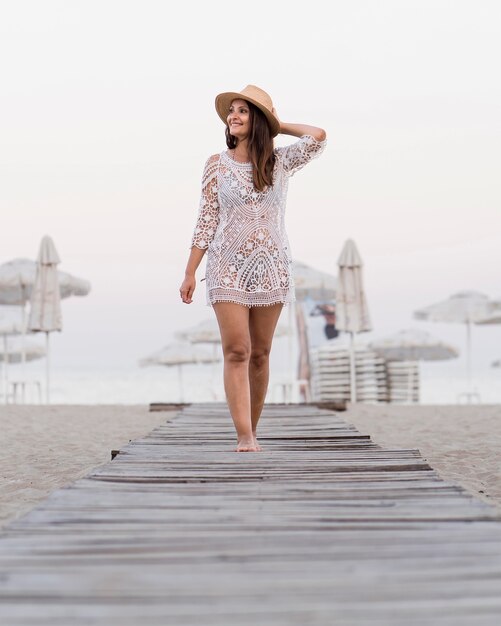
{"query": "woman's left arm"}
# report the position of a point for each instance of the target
(298, 130)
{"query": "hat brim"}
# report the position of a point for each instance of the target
(223, 103)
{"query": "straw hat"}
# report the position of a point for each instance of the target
(252, 94)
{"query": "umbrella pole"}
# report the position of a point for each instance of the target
(23, 351)
(353, 378)
(213, 368)
(180, 380)
(292, 312)
(47, 369)
(468, 353)
(5, 365)
(303, 368)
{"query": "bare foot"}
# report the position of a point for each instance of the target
(256, 443)
(246, 445)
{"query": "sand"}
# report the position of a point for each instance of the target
(461, 442)
(44, 448)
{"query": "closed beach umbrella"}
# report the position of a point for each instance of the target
(177, 354)
(352, 312)
(45, 310)
(464, 307)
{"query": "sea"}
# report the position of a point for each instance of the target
(439, 383)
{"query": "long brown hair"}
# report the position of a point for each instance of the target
(259, 146)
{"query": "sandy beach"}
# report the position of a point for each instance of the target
(462, 442)
(44, 448)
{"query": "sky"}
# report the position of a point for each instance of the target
(107, 118)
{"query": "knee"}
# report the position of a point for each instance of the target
(237, 353)
(259, 357)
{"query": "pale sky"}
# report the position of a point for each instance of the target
(107, 118)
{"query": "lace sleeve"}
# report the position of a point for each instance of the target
(208, 214)
(301, 152)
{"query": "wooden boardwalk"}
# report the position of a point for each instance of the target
(323, 527)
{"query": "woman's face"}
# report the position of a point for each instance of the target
(239, 119)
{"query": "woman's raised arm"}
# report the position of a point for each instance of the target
(298, 130)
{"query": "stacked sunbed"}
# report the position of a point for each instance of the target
(330, 374)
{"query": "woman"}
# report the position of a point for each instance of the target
(241, 224)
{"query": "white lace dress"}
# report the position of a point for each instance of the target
(248, 258)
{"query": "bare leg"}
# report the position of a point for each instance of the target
(233, 320)
(262, 323)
